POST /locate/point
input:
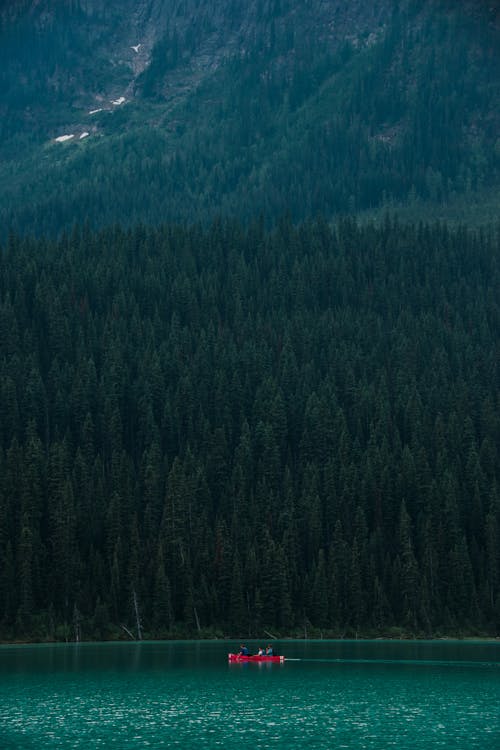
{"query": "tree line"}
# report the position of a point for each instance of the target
(227, 430)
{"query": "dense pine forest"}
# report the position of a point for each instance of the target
(234, 430)
(215, 424)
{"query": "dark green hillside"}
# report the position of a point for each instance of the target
(241, 110)
(249, 430)
(282, 424)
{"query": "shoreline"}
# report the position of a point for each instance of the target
(494, 639)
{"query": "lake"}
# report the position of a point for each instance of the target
(341, 694)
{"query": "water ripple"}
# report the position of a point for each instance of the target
(302, 705)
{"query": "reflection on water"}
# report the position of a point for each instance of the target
(341, 694)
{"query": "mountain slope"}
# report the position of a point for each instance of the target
(264, 107)
(243, 429)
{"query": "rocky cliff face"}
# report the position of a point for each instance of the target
(86, 52)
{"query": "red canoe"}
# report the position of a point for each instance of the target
(255, 657)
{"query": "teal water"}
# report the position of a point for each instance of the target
(342, 694)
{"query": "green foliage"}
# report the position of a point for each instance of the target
(249, 430)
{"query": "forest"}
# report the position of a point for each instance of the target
(229, 430)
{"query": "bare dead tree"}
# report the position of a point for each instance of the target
(137, 616)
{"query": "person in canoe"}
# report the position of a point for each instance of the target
(260, 652)
(243, 650)
(269, 650)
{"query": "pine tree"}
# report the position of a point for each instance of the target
(409, 571)
(319, 613)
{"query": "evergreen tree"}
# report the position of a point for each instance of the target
(249, 430)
